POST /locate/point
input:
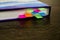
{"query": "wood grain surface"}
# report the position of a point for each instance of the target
(34, 29)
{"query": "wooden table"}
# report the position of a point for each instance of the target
(33, 29)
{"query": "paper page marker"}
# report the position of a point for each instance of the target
(28, 15)
(38, 16)
(29, 10)
(21, 16)
(42, 14)
(36, 10)
(42, 9)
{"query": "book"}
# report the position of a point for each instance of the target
(24, 5)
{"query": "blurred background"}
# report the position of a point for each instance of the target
(33, 29)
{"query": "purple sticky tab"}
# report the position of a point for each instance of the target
(21, 16)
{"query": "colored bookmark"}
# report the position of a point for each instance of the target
(38, 16)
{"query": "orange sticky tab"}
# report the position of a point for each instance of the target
(28, 15)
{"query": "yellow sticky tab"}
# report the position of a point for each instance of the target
(29, 10)
(42, 9)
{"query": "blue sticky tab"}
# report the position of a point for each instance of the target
(42, 14)
(34, 12)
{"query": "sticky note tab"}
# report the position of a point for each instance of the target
(28, 15)
(42, 14)
(29, 10)
(38, 16)
(36, 10)
(21, 16)
(42, 9)
(46, 12)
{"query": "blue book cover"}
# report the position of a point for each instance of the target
(21, 4)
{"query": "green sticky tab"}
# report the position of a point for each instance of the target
(30, 10)
(42, 9)
(38, 16)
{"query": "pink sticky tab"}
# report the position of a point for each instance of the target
(21, 16)
(36, 10)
